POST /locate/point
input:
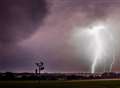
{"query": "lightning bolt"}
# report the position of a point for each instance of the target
(98, 46)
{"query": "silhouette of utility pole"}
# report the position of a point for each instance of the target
(40, 66)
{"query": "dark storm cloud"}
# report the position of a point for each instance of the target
(20, 18)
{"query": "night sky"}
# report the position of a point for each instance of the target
(34, 30)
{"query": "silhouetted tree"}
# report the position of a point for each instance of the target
(40, 66)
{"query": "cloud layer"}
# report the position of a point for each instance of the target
(24, 37)
(20, 18)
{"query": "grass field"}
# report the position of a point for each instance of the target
(61, 84)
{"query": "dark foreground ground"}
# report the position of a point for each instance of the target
(61, 84)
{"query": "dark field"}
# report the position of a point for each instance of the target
(61, 84)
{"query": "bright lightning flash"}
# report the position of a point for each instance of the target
(101, 40)
(98, 46)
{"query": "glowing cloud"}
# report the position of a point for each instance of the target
(99, 41)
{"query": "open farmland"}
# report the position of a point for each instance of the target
(61, 84)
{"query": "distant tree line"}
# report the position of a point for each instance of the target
(57, 76)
